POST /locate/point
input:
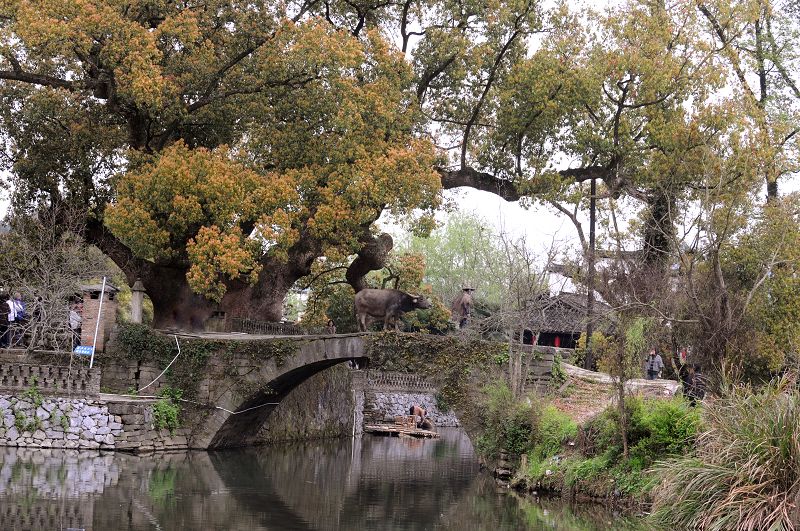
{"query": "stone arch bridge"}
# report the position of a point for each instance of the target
(236, 382)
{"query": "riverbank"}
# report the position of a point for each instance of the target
(575, 450)
(730, 462)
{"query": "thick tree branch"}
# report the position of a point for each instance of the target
(133, 267)
(429, 76)
(480, 181)
(37, 79)
(371, 257)
(506, 188)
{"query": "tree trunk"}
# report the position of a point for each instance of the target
(623, 417)
(659, 229)
(176, 306)
(772, 190)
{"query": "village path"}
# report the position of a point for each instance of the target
(587, 393)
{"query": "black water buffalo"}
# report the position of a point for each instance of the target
(386, 304)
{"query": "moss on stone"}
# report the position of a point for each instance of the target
(136, 342)
(458, 368)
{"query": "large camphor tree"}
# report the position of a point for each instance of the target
(221, 149)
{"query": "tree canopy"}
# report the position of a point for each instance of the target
(221, 150)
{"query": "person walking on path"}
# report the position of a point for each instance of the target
(654, 365)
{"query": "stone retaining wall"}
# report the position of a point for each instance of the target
(390, 394)
(139, 434)
(31, 420)
(384, 406)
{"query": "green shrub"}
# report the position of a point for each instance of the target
(746, 468)
(602, 432)
(666, 428)
(657, 429)
(582, 470)
(555, 428)
(166, 412)
(509, 424)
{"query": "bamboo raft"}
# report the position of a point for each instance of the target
(404, 426)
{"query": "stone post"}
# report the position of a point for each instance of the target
(137, 298)
(91, 305)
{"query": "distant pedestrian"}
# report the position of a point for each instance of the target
(17, 317)
(697, 386)
(654, 365)
(75, 321)
(4, 332)
(330, 327)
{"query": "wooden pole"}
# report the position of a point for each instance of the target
(588, 362)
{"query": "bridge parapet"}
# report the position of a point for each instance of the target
(398, 381)
(49, 379)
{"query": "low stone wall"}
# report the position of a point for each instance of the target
(33, 421)
(30, 420)
(390, 394)
(139, 434)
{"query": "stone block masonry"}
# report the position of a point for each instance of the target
(35, 422)
(29, 420)
(384, 406)
(390, 394)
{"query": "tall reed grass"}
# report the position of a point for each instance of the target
(745, 474)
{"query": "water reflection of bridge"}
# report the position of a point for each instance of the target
(375, 483)
(378, 485)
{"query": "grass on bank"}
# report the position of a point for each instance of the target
(745, 472)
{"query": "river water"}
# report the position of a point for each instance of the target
(373, 483)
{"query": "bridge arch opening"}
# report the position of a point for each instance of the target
(242, 427)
